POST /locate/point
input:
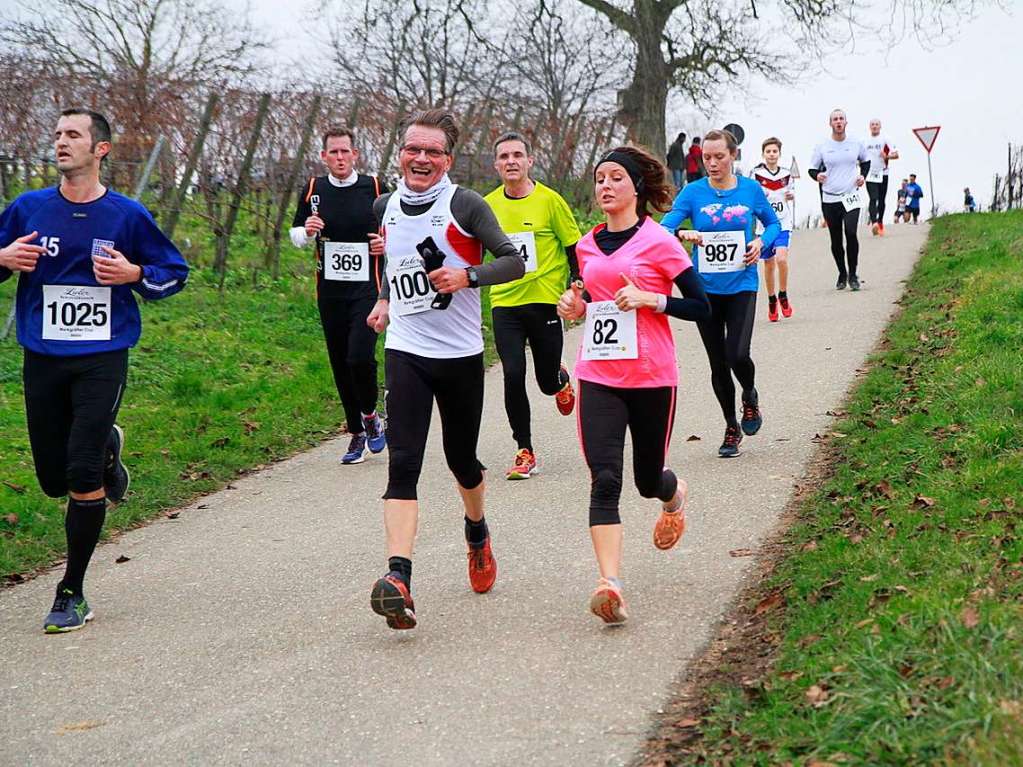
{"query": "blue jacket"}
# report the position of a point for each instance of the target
(61, 309)
(716, 210)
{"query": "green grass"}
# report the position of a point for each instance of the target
(219, 384)
(903, 588)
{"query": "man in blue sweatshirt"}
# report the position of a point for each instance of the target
(80, 251)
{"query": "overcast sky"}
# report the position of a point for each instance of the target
(970, 88)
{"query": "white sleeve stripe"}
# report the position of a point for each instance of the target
(161, 287)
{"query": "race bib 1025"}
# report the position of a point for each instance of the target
(76, 313)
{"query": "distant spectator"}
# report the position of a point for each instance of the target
(677, 160)
(913, 196)
(694, 162)
(968, 202)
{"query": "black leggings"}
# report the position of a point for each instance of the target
(71, 404)
(877, 191)
(604, 412)
(726, 337)
(351, 347)
(840, 220)
(513, 327)
(413, 383)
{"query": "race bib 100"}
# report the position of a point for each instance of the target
(722, 252)
(610, 333)
(526, 244)
(76, 313)
(411, 291)
(346, 261)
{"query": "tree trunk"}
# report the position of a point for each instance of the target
(642, 106)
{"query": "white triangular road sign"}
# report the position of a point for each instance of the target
(793, 168)
(927, 136)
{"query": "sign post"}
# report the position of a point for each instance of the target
(927, 136)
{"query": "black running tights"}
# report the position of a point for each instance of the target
(604, 414)
(840, 221)
(877, 191)
(726, 337)
(351, 347)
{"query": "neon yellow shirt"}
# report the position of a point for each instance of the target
(542, 225)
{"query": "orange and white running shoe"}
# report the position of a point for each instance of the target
(608, 604)
(672, 522)
(525, 465)
(565, 399)
(482, 567)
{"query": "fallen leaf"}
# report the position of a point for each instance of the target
(809, 639)
(122, 559)
(741, 553)
(203, 506)
(855, 538)
(864, 623)
(221, 442)
(769, 603)
(970, 617)
(1010, 707)
(869, 578)
(11, 519)
(173, 514)
(91, 724)
(945, 682)
(251, 426)
(922, 501)
(16, 488)
(684, 723)
(817, 695)
(884, 488)
(790, 676)
(810, 546)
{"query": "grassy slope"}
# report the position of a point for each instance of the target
(901, 637)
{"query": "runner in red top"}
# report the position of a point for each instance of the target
(627, 367)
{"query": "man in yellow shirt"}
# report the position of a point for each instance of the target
(540, 223)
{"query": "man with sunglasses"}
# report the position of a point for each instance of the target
(435, 233)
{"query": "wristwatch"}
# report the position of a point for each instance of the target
(474, 279)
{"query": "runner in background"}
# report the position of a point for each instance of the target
(677, 160)
(627, 367)
(723, 209)
(434, 233)
(900, 204)
(914, 193)
(336, 211)
(540, 223)
(778, 185)
(81, 252)
(880, 151)
(694, 162)
(839, 166)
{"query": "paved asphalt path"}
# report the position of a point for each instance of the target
(241, 631)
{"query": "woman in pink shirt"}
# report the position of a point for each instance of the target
(626, 367)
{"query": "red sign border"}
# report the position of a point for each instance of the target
(935, 128)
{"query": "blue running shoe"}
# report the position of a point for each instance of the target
(70, 611)
(375, 437)
(752, 420)
(116, 478)
(356, 450)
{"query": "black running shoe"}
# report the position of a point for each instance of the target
(70, 612)
(854, 282)
(116, 478)
(752, 420)
(840, 285)
(730, 447)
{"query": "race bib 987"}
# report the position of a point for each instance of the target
(722, 252)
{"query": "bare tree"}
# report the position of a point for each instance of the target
(144, 58)
(696, 47)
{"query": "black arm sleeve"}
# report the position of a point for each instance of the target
(379, 207)
(813, 172)
(694, 304)
(573, 264)
(865, 167)
(476, 217)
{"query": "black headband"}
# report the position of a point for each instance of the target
(626, 162)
